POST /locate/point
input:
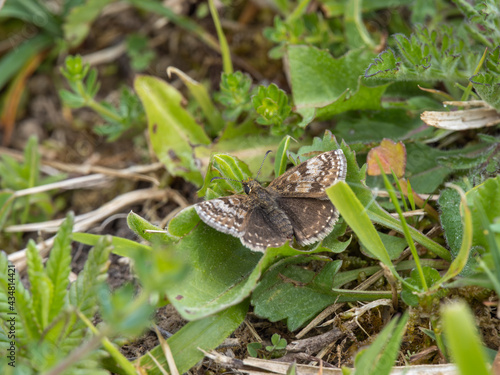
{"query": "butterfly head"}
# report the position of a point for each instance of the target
(250, 186)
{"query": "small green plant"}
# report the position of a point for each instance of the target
(128, 117)
(277, 342)
(275, 350)
(15, 177)
(41, 326)
(52, 321)
(139, 53)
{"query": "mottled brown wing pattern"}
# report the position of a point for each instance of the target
(312, 219)
(226, 214)
(293, 205)
(261, 233)
(312, 177)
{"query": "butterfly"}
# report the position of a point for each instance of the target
(294, 205)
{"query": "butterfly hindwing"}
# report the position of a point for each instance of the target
(312, 219)
(262, 233)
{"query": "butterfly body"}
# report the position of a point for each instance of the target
(293, 205)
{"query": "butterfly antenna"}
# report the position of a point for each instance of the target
(265, 156)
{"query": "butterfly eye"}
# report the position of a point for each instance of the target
(246, 189)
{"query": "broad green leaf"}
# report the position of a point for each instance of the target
(318, 79)
(206, 334)
(172, 130)
(451, 220)
(487, 85)
(59, 266)
(365, 98)
(79, 20)
(463, 339)
(381, 354)
(182, 223)
(222, 272)
(297, 294)
(486, 195)
(375, 126)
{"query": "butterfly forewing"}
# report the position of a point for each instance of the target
(312, 177)
(226, 214)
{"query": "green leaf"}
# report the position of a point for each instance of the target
(252, 348)
(222, 272)
(121, 246)
(13, 61)
(318, 80)
(487, 196)
(414, 284)
(381, 354)
(281, 159)
(27, 326)
(365, 98)
(79, 20)
(296, 294)
(235, 94)
(205, 334)
(140, 226)
(271, 103)
(230, 167)
(463, 339)
(182, 223)
(394, 245)
(451, 220)
(82, 293)
(6, 204)
(427, 55)
(355, 31)
(172, 130)
(41, 286)
(59, 266)
(123, 311)
(356, 216)
(462, 257)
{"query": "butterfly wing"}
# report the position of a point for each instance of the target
(312, 219)
(263, 232)
(226, 214)
(311, 178)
